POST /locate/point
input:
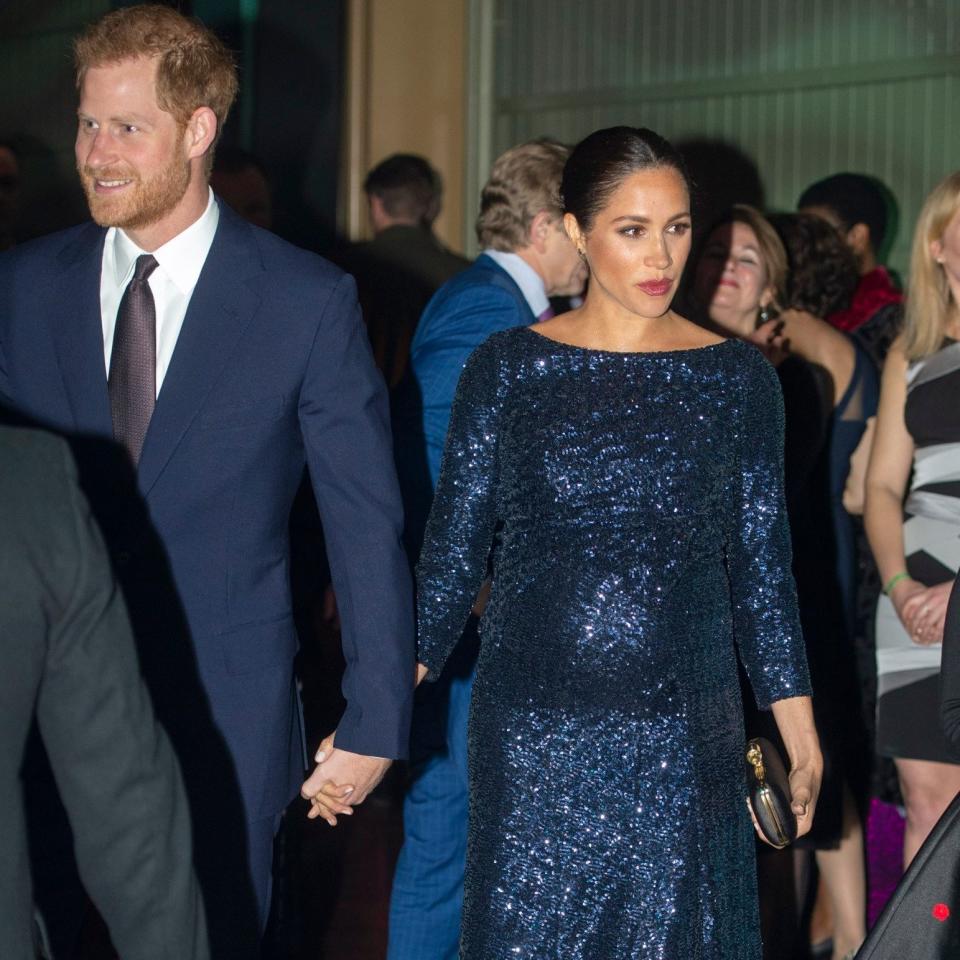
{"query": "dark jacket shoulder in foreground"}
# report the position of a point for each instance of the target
(68, 652)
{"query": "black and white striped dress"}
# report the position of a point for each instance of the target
(908, 673)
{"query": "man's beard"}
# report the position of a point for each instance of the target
(141, 203)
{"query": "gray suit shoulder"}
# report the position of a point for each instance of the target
(38, 490)
(31, 455)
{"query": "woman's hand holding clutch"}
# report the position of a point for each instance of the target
(794, 717)
(781, 805)
(804, 788)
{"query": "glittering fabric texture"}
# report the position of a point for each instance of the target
(636, 502)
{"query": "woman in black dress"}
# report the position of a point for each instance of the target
(771, 288)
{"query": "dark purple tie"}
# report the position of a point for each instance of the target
(133, 360)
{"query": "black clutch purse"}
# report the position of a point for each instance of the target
(768, 789)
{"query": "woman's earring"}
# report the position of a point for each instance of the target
(764, 316)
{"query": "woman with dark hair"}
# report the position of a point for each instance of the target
(822, 279)
(740, 288)
(798, 273)
(629, 464)
(822, 270)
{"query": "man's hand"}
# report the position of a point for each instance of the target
(341, 781)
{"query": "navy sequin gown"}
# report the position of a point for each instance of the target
(634, 504)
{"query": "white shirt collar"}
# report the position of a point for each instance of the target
(525, 277)
(181, 258)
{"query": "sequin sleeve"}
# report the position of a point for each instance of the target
(460, 528)
(765, 612)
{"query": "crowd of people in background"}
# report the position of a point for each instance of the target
(866, 366)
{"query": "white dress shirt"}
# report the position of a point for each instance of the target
(179, 262)
(524, 276)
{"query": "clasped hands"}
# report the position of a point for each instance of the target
(341, 781)
(922, 610)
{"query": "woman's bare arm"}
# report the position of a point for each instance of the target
(855, 489)
(887, 474)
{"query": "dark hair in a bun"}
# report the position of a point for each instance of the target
(602, 161)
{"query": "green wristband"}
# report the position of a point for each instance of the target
(894, 580)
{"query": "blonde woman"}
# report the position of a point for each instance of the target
(917, 543)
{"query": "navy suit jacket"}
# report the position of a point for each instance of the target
(468, 308)
(272, 370)
(460, 316)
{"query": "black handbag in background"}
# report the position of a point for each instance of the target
(768, 789)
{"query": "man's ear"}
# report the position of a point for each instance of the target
(858, 237)
(201, 132)
(378, 213)
(540, 227)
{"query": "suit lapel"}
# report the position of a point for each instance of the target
(223, 303)
(78, 333)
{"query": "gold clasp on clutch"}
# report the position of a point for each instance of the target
(765, 797)
(755, 759)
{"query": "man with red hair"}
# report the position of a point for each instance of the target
(199, 363)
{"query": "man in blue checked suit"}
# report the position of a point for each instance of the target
(527, 258)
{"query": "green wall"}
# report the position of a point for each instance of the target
(288, 113)
(804, 87)
(37, 109)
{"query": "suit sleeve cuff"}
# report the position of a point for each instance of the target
(374, 737)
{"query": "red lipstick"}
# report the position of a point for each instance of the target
(656, 288)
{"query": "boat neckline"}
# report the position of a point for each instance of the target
(626, 353)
